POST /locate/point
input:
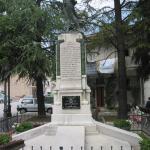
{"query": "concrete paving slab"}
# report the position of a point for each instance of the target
(66, 137)
(101, 140)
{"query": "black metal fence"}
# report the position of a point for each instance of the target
(7, 124)
(140, 122)
(81, 148)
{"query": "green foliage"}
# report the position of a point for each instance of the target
(24, 127)
(141, 33)
(4, 138)
(111, 92)
(25, 40)
(145, 143)
(123, 124)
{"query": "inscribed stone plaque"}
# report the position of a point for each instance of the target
(70, 60)
(71, 102)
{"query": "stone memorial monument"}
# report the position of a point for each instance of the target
(71, 124)
(72, 94)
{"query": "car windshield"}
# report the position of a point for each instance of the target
(29, 96)
(27, 101)
(2, 95)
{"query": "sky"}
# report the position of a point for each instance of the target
(99, 3)
(96, 3)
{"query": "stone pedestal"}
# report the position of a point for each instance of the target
(72, 94)
(72, 124)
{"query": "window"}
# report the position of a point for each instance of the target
(28, 101)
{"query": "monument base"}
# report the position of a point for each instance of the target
(72, 116)
(71, 119)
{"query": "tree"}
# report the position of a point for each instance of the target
(141, 31)
(121, 47)
(114, 29)
(28, 32)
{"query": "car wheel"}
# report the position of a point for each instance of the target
(22, 111)
(49, 110)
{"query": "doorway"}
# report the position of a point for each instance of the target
(100, 96)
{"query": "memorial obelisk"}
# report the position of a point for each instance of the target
(72, 94)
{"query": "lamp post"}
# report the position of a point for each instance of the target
(9, 106)
(5, 106)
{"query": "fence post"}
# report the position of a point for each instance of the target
(32, 147)
(101, 148)
(111, 148)
(41, 147)
(71, 147)
(61, 147)
(50, 148)
(17, 118)
(131, 147)
(91, 147)
(81, 148)
(121, 148)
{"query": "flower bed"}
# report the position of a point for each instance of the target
(7, 144)
(15, 145)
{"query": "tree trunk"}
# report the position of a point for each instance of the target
(9, 106)
(39, 83)
(122, 81)
(40, 97)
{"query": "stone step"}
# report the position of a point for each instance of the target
(92, 133)
(51, 130)
(91, 130)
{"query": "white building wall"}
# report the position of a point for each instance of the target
(146, 90)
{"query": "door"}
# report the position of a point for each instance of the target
(28, 104)
(100, 96)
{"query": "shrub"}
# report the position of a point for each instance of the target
(145, 143)
(123, 124)
(24, 127)
(4, 138)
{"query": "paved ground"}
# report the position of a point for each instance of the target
(68, 136)
(101, 140)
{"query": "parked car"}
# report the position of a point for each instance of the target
(30, 105)
(24, 97)
(2, 97)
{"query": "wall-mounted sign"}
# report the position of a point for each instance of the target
(71, 102)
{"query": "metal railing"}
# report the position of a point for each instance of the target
(140, 122)
(80, 148)
(6, 124)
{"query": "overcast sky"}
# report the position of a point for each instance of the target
(99, 3)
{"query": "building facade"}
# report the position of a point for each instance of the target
(102, 79)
